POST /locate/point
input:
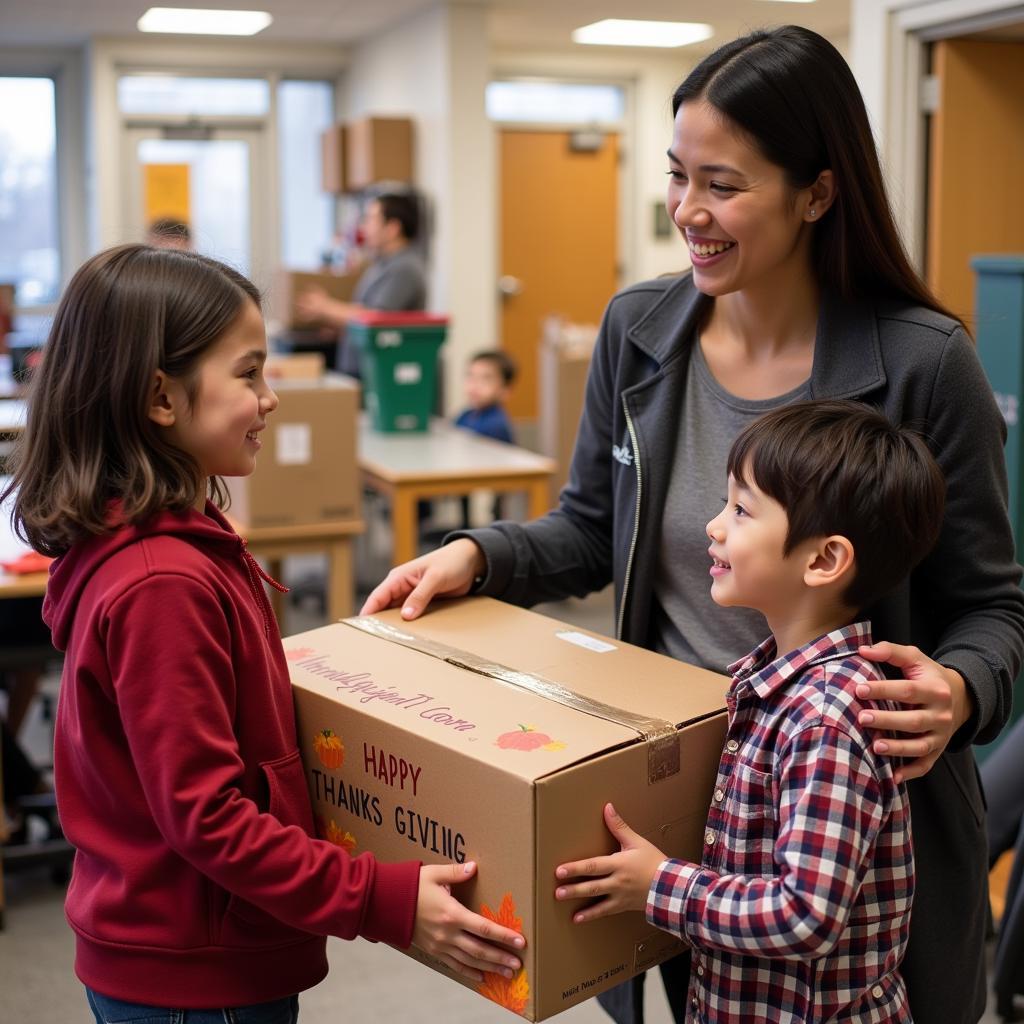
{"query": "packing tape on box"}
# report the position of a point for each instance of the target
(661, 737)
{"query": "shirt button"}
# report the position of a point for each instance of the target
(709, 837)
(878, 991)
(732, 746)
(719, 795)
(700, 972)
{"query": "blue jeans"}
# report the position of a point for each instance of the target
(116, 1011)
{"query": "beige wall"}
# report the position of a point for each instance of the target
(433, 67)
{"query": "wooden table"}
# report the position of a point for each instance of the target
(274, 543)
(446, 460)
(11, 547)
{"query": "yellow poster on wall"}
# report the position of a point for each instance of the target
(166, 192)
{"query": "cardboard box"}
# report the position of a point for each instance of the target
(307, 471)
(289, 284)
(378, 149)
(426, 740)
(333, 146)
(566, 351)
(308, 366)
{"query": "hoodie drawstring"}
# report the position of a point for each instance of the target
(256, 574)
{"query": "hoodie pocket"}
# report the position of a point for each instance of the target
(289, 794)
(288, 802)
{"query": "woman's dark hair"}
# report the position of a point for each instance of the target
(840, 467)
(791, 93)
(89, 441)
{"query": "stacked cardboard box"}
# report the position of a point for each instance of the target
(486, 732)
(288, 285)
(566, 350)
(307, 471)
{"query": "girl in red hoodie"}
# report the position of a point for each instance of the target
(197, 884)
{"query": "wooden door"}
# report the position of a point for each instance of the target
(976, 163)
(559, 242)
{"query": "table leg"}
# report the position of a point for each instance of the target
(404, 526)
(340, 581)
(539, 494)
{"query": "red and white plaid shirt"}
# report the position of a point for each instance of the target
(800, 908)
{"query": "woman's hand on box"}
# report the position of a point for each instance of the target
(620, 881)
(466, 942)
(934, 703)
(446, 572)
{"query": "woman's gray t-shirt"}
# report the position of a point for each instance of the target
(688, 625)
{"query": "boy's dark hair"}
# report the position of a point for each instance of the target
(843, 468)
(171, 227)
(403, 208)
(503, 363)
(89, 441)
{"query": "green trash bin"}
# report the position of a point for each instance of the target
(398, 363)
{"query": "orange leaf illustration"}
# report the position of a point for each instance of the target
(340, 837)
(506, 915)
(512, 993)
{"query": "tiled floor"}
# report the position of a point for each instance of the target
(367, 982)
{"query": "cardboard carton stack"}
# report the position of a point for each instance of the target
(289, 284)
(565, 355)
(487, 732)
(307, 471)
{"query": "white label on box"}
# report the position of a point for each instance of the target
(389, 339)
(293, 444)
(408, 373)
(590, 642)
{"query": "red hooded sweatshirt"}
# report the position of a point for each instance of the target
(196, 883)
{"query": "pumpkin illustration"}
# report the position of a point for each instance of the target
(328, 747)
(512, 993)
(528, 738)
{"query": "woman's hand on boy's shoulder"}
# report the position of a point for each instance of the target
(466, 942)
(620, 881)
(934, 703)
(447, 572)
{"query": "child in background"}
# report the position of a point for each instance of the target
(197, 884)
(800, 908)
(489, 376)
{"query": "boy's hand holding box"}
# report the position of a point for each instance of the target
(485, 732)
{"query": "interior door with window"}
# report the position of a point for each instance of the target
(211, 181)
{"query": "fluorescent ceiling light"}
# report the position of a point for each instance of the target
(621, 32)
(196, 21)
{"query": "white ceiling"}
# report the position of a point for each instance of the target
(514, 24)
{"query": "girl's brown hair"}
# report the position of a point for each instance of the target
(89, 442)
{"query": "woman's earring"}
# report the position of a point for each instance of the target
(811, 212)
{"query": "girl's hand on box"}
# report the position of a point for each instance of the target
(466, 942)
(934, 701)
(621, 880)
(446, 572)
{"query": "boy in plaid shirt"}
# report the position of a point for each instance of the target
(799, 909)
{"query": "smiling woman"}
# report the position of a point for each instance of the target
(800, 289)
